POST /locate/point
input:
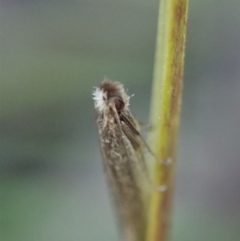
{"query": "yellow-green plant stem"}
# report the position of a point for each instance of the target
(165, 110)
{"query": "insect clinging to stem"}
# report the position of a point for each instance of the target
(122, 149)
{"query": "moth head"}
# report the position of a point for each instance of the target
(110, 93)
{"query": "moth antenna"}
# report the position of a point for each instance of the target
(117, 119)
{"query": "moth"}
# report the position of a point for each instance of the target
(123, 159)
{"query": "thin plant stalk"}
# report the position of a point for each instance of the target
(165, 111)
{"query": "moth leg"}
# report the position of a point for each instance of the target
(141, 162)
(147, 127)
(166, 162)
(143, 125)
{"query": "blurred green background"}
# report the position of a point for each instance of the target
(52, 54)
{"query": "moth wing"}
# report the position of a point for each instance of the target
(129, 128)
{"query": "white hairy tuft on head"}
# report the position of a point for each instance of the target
(99, 97)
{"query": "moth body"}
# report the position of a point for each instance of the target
(119, 142)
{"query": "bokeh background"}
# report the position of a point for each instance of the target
(52, 54)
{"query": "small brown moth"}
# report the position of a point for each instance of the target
(122, 149)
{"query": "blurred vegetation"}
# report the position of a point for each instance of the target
(52, 54)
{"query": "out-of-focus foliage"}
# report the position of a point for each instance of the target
(52, 54)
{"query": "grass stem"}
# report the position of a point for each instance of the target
(165, 111)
